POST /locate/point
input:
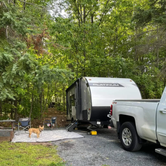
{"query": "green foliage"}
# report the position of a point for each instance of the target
(103, 41)
(40, 55)
(27, 78)
(155, 13)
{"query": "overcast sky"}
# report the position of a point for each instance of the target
(58, 9)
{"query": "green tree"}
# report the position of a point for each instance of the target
(26, 77)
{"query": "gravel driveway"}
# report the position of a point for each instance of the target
(104, 149)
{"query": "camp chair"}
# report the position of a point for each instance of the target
(54, 121)
(50, 123)
(24, 124)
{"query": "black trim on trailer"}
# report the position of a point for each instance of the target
(94, 123)
(79, 98)
(100, 113)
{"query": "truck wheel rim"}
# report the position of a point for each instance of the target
(126, 136)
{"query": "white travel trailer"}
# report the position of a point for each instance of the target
(88, 99)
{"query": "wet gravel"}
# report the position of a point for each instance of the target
(104, 149)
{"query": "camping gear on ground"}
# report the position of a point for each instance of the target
(24, 124)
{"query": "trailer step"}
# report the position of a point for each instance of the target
(71, 126)
(161, 151)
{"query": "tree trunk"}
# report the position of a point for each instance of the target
(64, 98)
(92, 18)
(30, 114)
(41, 102)
(15, 110)
(158, 47)
(24, 4)
(12, 109)
(0, 108)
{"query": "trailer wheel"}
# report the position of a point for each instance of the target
(129, 137)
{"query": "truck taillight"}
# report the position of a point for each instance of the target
(111, 110)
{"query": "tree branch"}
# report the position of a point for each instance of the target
(104, 12)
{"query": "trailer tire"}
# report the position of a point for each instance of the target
(129, 137)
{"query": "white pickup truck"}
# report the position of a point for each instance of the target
(139, 121)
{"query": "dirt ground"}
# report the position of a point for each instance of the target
(61, 118)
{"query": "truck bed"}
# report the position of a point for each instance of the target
(142, 100)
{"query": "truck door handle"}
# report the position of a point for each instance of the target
(163, 111)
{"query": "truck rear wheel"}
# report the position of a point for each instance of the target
(129, 137)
